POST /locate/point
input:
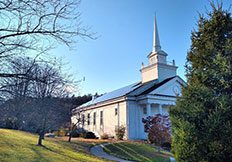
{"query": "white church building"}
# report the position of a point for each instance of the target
(155, 93)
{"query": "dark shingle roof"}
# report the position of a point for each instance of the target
(156, 86)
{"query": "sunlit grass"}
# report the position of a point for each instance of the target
(136, 151)
(20, 146)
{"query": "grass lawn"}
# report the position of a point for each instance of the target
(17, 146)
(136, 151)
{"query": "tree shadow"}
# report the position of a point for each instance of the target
(57, 152)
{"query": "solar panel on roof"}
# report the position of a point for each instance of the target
(131, 90)
(114, 94)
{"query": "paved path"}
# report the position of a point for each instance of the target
(99, 152)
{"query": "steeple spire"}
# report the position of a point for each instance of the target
(158, 67)
(156, 41)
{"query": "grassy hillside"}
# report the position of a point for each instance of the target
(20, 146)
(137, 151)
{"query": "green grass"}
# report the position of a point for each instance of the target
(17, 146)
(136, 151)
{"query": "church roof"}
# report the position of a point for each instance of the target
(114, 94)
(149, 87)
(135, 89)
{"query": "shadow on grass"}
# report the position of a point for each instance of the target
(133, 151)
(115, 150)
(80, 147)
(129, 153)
(40, 155)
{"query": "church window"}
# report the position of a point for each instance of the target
(144, 110)
(94, 118)
(88, 121)
(83, 119)
(116, 111)
(101, 117)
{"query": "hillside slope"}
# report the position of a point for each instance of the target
(20, 146)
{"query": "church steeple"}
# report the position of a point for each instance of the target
(157, 55)
(158, 67)
(156, 41)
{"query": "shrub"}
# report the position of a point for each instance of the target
(120, 132)
(78, 131)
(88, 135)
(61, 132)
(104, 136)
(158, 129)
(75, 134)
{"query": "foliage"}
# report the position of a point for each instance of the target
(136, 151)
(30, 113)
(120, 132)
(14, 150)
(202, 117)
(158, 129)
(12, 123)
(76, 101)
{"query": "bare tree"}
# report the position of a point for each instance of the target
(51, 84)
(17, 88)
(35, 26)
(31, 28)
(74, 123)
(44, 81)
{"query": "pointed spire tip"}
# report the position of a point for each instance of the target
(156, 41)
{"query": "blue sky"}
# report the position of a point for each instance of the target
(125, 28)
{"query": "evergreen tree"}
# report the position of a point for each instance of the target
(202, 117)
